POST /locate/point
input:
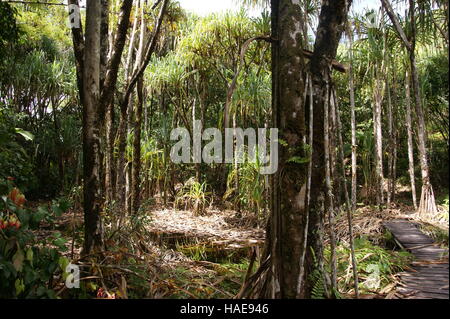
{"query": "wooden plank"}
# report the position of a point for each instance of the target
(439, 254)
(435, 250)
(431, 265)
(423, 280)
(439, 275)
(429, 275)
(427, 290)
(413, 245)
(418, 268)
(425, 257)
(437, 272)
(421, 284)
(436, 287)
(408, 290)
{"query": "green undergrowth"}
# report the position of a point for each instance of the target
(376, 266)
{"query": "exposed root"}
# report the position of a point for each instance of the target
(427, 206)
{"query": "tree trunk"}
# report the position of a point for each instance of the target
(123, 169)
(93, 241)
(289, 202)
(427, 202)
(136, 168)
(349, 209)
(279, 272)
(394, 139)
(391, 182)
(129, 162)
(104, 50)
(132, 80)
(353, 120)
(58, 146)
(331, 24)
(329, 202)
(121, 160)
(109, 155)
(281, 275)
(378, 135)
(410, 140)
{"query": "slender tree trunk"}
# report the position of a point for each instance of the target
(353, 120)
(93, 241)
(109, 154)
(104, 44)
(289, 189)
(121, 159)
(378, 135)
(236, 168)
(194, 118)
(136, 168)
(125, 112)
(394, 138)
(349, 208)
(58, 146)
(129, 162)
(391, 185)
(410, 140)
(335, 179)
(329, 202)
(427, 204)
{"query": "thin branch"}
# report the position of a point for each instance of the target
(148, 54)
(232, 86)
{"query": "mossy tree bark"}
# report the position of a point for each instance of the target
(285, 270)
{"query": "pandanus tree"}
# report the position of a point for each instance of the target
(214, 48)
(427, 204)
(374, 42)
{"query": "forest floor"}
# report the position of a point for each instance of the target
(178, 254)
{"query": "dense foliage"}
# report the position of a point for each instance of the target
(201, 68)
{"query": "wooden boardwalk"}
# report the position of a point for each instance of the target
(428, 278)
